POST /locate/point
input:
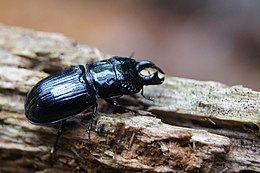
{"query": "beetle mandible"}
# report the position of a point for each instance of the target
(71, 91)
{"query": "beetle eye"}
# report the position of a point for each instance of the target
(148, 71)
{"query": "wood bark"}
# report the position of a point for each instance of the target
(192, 126)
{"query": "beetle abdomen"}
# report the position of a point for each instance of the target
(59, 96)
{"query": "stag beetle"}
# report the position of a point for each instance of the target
(71, 91)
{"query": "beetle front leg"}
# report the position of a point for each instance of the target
(115, 104)
(92, 119)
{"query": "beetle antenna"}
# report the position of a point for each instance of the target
(147, 98)
(132, 54)
(115, 104)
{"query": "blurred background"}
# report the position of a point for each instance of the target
(202, 40)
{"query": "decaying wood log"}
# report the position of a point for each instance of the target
(199, 126)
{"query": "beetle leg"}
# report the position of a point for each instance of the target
(92, 119)
(114, 103)
(148, 98)
(59, 133)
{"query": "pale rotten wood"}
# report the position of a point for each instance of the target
(207, 126)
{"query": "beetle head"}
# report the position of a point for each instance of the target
(149, 73)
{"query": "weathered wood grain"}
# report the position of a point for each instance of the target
(207, 126)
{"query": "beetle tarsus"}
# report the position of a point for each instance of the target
(92, 119)
(59, 133)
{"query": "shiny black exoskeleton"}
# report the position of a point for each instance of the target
(69, 92)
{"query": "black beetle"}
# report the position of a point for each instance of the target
(69, 92)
